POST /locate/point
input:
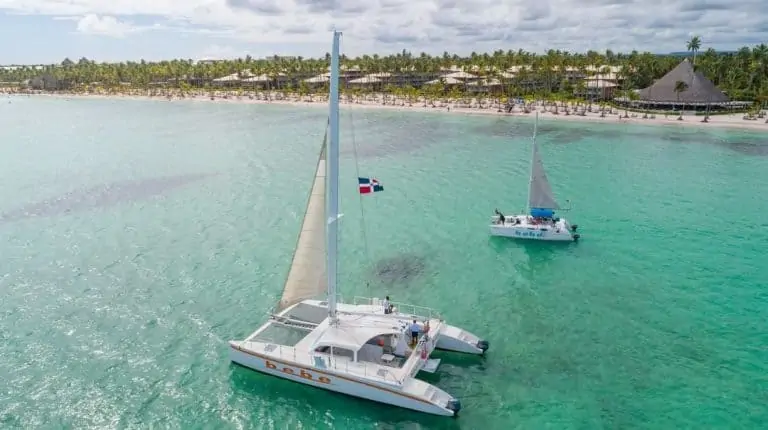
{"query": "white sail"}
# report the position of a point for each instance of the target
(539, 192)
(306, 278)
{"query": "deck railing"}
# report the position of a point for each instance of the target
(422, 350)
(415, 311)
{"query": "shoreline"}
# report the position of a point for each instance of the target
(483, 106)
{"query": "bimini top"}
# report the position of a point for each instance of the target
(542, 213)
(351, 332)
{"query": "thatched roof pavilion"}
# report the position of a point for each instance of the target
(700, 90)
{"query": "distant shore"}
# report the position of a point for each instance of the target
(468, 106)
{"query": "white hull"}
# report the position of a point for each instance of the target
(524, 227)
(392, 394)
(372, 381)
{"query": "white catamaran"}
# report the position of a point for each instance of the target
(365, 348)
(539, 223)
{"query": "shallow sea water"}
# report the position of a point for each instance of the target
(139, 236)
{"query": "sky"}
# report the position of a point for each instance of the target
(47, 31)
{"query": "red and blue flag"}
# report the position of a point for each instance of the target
(369, 185)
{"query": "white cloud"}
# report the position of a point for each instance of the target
(104, 25)
(430, 25)
(220, 52)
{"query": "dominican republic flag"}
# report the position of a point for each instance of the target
(369, 185)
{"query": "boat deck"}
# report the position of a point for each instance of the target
(280, 334)
(528, 222)
(379, 342)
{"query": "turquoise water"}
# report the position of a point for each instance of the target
(117, 305)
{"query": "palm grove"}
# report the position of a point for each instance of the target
(742, 74)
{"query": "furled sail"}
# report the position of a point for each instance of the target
(540, 194)
(306, 278)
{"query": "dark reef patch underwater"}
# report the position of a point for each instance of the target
(101, 196)
(401, 268)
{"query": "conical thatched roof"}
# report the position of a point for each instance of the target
(700, 89)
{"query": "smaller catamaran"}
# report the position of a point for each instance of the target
(369, 348)
(540, 222)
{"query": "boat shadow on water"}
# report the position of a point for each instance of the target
(534, 254)
(534, 248)
(314, 404)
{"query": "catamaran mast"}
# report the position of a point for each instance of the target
(530, 176)
(332, 208)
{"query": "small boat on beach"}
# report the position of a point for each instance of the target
(367, 348)
(539, 222)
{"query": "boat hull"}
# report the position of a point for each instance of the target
(520, 227)
(454, 339)
(328, 380)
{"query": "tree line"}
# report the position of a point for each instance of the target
(743, 74)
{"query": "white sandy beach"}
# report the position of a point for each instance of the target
(468, 106)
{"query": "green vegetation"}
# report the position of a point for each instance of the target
(742, 74)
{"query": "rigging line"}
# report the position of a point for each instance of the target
(364, 229)
(360, 196)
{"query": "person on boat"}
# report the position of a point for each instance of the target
(414, 329)
(387, 306)
(501, 216)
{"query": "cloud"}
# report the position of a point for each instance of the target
(296, 27)
(702, 5)
(266, 7)
(536, 11)
(103, 25)
(220, 52)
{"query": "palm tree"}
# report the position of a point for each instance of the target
(694, 45)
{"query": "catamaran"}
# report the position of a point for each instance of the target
(539, 223)
(368, 348)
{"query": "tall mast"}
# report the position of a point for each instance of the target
(332, 208)
(533, 152)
